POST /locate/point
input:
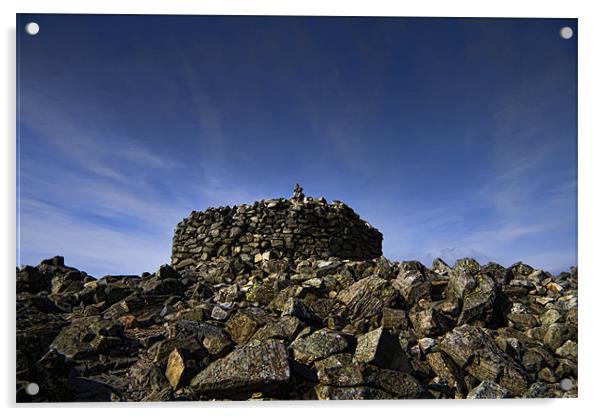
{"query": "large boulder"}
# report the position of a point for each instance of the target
(478, 354)
(257, 366)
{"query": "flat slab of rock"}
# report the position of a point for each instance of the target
(253, 367)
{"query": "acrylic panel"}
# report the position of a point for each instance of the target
(295, 208)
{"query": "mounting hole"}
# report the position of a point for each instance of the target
(566, 384)
(32, 28)
(32, 389)
(566, 32)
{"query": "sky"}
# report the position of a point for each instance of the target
(454, 137)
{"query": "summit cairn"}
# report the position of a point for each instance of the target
(297, 228)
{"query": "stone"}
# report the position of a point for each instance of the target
(218, 313)
(295, 228)
(461, 281)
(249, 368)
(479, 303)
(367, 297)
(180, 369)
(382, 349)
(428, 322)
(167, 272)
(394, 320)
(557, 334)
(398, 385)
(550, 316)
(351, 393)
(472, 349)
(413, 285)
(568, 350)
(318, 345)
(286, 328)
(488, 390)
(446, 370)
(243, 325)
(295, 307)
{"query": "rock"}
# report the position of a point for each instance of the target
(488, 390)
(30, 279)
(286, 328)
(550, 316)
(398, 385)
(394, 320)
(296, 228)
(412, 283)
(350, 393)
(297, 308)
(243, 325)
(558, 334)
(539, 390)
(447, 370)
(479, 303)
(218, 313)
(568, 350)
(367, 297)
(472, 349)
(249, 368)
(180, 368)
(318, 345)
(461, 280)
(428, 322)
(382, 349)
(167, 272)
(547, 374)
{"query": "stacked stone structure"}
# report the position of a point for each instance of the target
(294, 228)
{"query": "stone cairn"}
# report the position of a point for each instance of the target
(292, 299)
(295, 228)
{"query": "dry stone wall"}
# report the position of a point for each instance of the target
(299, 227)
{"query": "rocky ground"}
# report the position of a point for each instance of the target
(297, 329)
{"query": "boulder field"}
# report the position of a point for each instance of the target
(291, 299)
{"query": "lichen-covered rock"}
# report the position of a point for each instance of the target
(382, 349)
(558, 334)
(367, 297)
(428, 322)
(488, 390)
(318, 345)
(397, 384)
(252, 367)
(474, 351)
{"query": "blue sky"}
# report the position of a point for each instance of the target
(454, 137)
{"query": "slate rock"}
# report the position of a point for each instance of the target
(488, 390)
(382, 349)
(318, 345)
(473, 350)
(256, 366)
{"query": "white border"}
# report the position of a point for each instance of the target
(590, 209)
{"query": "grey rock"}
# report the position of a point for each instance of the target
(488, 390)
(253, 367)
(318, 345)
(382, 349)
